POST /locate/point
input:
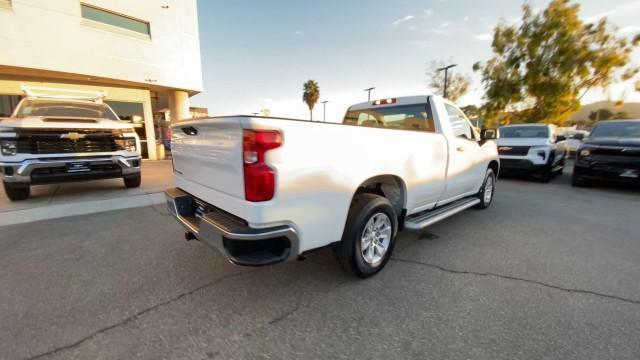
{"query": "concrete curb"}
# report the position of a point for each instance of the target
(79, 208)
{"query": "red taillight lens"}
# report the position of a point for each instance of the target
(259, 178)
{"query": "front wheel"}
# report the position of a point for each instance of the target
(487, 190)
(369, 235)
(17, 191)
(132, 181)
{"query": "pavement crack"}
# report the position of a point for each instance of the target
(134, 317)
(285, 315)
(515, 278)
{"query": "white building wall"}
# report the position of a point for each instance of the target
(52, 35)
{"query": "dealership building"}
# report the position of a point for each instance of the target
(144, 54)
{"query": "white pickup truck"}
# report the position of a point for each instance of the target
(266, 190)
(53, 138)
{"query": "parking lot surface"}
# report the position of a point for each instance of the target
(549, 271)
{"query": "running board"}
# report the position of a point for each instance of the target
(424, 219)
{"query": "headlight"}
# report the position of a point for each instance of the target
(127, 144)
(540, 151)
(585, 152)
(9, 147)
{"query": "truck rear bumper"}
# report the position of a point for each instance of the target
(230, 235)
(44, 171)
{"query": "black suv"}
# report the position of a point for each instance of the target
(612, 152)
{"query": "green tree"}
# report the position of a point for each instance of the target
(311, 95)
(457, 84)
(601, 114)
(541, 68)
(471, 111)
(620, 115)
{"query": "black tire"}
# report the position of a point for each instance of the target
(132, 181)
(485, 203)
(546, 174)
(349, 250)
(577, 180)
(16, 191)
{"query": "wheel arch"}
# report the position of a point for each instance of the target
(392, 187)
(495, 166)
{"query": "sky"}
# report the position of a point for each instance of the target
(256, 54)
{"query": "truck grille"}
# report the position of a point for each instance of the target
(513, 150)
(617, 151)
(44, 141)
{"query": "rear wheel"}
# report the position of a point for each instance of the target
(486, 190)
(132, 181)
(17, 191)
(369, 235)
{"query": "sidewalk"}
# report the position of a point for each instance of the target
(70, 199)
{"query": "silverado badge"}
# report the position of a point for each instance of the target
(505, 148)
(72, 136)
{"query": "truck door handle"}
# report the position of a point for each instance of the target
(460, 148)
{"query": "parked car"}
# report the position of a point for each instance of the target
(574, 140)
(265, 190)
(52, 139)
(533, 149)
(612, 152)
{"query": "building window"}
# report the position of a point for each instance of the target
(93, 13)
(5, 4)
(8, 103)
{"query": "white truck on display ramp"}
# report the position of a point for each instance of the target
(53, 137)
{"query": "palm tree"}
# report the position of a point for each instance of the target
(311, 95)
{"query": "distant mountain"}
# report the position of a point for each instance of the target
(632, 109)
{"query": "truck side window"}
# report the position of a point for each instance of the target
(459, 123)
(405, 117)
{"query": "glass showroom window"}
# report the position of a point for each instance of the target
(93, 13)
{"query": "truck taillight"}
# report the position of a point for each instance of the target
(259, 178)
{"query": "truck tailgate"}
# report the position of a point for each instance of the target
(209, 153)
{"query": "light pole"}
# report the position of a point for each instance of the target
(369, 93)
(324, 110)
(446, 78)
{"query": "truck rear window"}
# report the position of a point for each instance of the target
(406, 117)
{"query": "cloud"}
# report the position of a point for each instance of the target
(298, 32)
(484, 37)
(629, 30)
(401, 20)
(444, 25)
(428, 13)
(466, 18)
(630, 7)
(437, 31)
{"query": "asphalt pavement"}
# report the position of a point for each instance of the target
(548, 272)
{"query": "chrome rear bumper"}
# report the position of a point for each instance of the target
(231, 236)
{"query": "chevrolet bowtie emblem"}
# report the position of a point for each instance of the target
(505, 148)
(72, 136)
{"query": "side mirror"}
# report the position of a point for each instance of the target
(488, 134)
(560, 138)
